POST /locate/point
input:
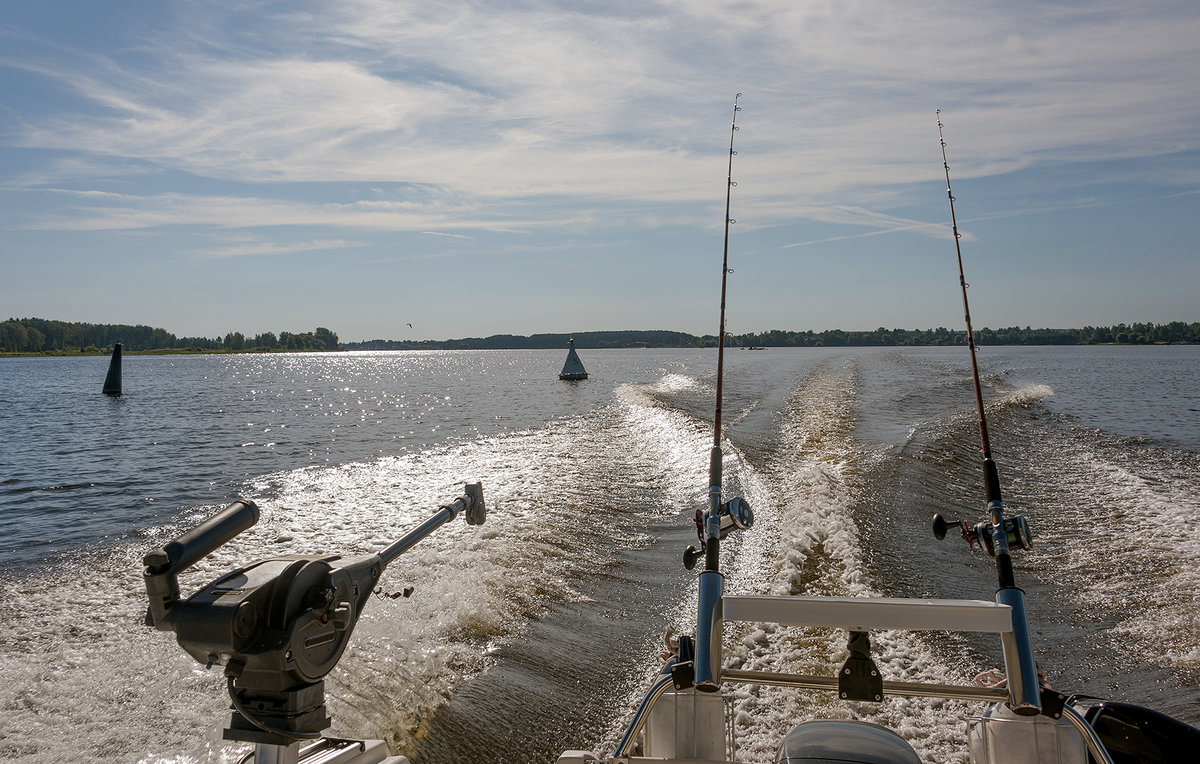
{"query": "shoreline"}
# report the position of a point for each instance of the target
(105, 353)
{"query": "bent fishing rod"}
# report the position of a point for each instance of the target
(997, 533)
(719, 518)
(710, 538)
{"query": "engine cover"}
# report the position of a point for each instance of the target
(854, 742)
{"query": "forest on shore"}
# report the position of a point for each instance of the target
(43, 336)
(39, 335)
(1176, 332)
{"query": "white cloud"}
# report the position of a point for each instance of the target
(258, 248)
(252, 212)
(447, 235)
(491, 111)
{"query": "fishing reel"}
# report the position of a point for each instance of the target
(279, 626)
(1015, 528)
(734, 514)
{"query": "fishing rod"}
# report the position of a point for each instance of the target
(990, 474)
(729, 184)
(719, 518)
(997, 533)
(711, 541)
(710, 537)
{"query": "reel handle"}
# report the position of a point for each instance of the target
(940, 526)
(163, 565)
(199, 542)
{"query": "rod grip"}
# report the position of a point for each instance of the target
(991, 479)
(715, 464)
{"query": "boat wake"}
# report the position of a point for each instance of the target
(814, 482)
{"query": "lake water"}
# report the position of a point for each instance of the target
(538, 631)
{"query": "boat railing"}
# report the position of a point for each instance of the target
(865, 614)
(657, 690)
(859, 615)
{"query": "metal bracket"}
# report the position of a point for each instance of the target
(683, 675)
(859, 678)
(1052, 703)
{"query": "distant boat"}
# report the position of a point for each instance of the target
(573, 368)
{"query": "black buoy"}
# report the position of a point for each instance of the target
(112, 383)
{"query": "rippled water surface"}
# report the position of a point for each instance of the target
(538, 631)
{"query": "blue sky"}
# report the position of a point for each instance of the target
(522, 167)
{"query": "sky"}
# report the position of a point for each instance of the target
(478, 168)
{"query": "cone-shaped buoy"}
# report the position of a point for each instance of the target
(112, 383)
(573, 368)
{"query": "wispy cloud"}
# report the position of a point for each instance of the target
(879, 223)
(130, 212)
(446, 235)
(278, 248)
(522, 101)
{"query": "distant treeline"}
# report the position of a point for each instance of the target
(625, 339)
(1128, 334)
(1135, 334)
(38, 335)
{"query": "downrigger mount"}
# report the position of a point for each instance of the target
(278, 625)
